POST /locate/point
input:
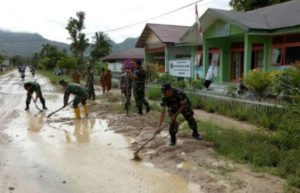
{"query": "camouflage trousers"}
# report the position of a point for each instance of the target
(139, 96)
(91, 93)
(79, 99)
(188, 115)
(39, 96)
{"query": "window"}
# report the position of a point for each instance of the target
(276, 56)
(286, 49)
(292, 55)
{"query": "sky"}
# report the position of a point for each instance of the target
(50, 17)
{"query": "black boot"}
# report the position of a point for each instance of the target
(148, 109)
(44, 107)
(27, 108)
(196, 135)
(173, 140)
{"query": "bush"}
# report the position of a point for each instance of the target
(154, 93)
(259, 82)
(180, 84)
(166, 78)
(287, 82)
(197, 84)
(231, 91)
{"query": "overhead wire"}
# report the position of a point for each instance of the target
(155, 17)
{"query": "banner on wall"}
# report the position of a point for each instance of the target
(180, 68)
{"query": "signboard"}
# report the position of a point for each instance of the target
(180, 68)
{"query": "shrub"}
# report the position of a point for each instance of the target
(259, 82)
(154, 93)
(180, 84)
(230, 90)
(166, 78)
(197, 84)
(287, 82)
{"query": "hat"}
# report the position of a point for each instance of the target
(165, 87)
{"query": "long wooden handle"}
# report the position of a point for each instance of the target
(58, 109)
(153, 136)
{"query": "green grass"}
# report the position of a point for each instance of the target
(258, 150)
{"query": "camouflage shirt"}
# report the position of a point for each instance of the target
(75, 89)
(174, 102)
(140, 75)
(32, 87)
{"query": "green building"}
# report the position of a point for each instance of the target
(267, 38)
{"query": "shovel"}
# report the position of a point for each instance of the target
(58, 109)
(37, 107)
(136, 156)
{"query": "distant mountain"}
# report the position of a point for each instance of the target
(128, 43)
(26, 44)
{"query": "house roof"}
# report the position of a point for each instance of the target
(132, 53)
(192, 36)
(283, 15)
(165, 33)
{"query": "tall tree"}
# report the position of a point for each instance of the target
(101, 46)
(79, 41)
(50, 55)
(247, 5)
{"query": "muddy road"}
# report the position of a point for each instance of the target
(63, 155)
(59, 154)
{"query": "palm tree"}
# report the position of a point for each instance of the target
(101, 47)
(79, 40)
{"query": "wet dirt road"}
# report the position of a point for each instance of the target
(62, 155)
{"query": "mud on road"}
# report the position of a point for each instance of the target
(91, 155)
(193, 160)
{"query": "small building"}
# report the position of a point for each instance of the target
(115, 60)
(160, 44)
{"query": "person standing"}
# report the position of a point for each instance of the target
(108, 77)
(209, 76)
(139, 78)
(80, 93)
(126, 88)
(90, 84)
(103, 80)
(32, 87)
(76, 76)
(177, 103)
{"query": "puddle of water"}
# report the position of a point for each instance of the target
(185, 165)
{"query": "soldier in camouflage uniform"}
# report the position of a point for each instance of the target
(177, 103)
(90, 84)
(34, 87)
(80, 93)
(139, 77)
(126, 89)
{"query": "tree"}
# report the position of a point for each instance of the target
(2, 58)
(78, 38)
(49, 56)
(17, 60)
(101, 47)
(247, 5)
